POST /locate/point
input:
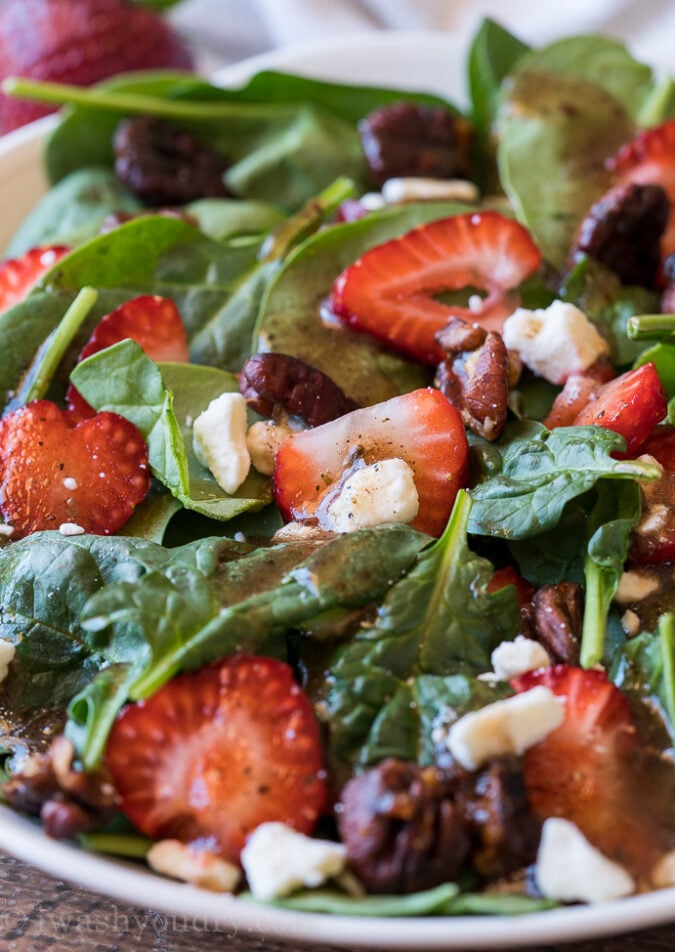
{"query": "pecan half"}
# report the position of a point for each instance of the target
(403, 139)
(623, 232)
(475, 378)
(557, 617)
(278, 381)
(166, 165)
(68, 801)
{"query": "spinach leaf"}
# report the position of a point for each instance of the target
(151, 518)
(333, 902)
(92, 711)
(608, 528)
(224, 218)
(646, 665)
(45, 581)
(541, 471)
(73, 211)
(123, 379)
(434, 630)
(291, 319)
(188, 617)
(556, 555)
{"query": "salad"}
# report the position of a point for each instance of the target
(336, 469)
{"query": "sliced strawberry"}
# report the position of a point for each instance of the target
(654, 536)
(631, 404)
(216, 752)
(578, 391)
(153, 322)
(650, 159)
(595, 771)
(509, 575)
(18, 276)
(93, 474)
(422, 428)
(389, 292)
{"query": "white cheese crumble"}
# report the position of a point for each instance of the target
(509, 726)
(421, 189)
(7, 652)
(6, 530)
(381, 492)
(71, 529)
(278, 860)
(633, 587)
(263, 440)
(219, 440)
(201, 868)
(571, 869)
(663, 874)
(513, 658)
(554, 342)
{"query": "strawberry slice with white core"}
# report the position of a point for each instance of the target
(216, 752)
(421, 428)
(91, 476)
(389, 292)
(18, 276)
(153, 322)
(649, 159)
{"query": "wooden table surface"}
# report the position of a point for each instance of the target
(41, 914)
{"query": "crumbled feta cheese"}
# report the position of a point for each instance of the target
(70, 483)
(70, 529)
(555, 342)
(7, 652)
(505, 727)
(513, 658)
(420, 189)
(219, 440)
(201, 868)
(634, 587)
(6, 529)
(381, 492)
(263, 440)
(630, 622)
(277, 860)
(663, 874)
(372, 201)
(570, 869)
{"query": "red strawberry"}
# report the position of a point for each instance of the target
(93, 474)
(631, 404)
(422, 428)
(650, 159)
(216, 752)
(654, 536)
(18, 276)
(578, 391)
(79, 42)
(389, 292)
(153, 322)
(509, 575)
(595, 771)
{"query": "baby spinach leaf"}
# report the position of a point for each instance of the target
(556, 555)
(337, 903)
(73, 211)
(541, 471)
(45, 581)
(189, 617)
(123, 379)
(646, 665)
(435, 628)
(224, 218)
(291, 320)
(92, 711)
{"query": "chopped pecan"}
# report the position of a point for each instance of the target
(402, 828)
(403, 139)
(68, 801)
(623, 232)
(476, 379)
(273, 381)
(557, 616)
(166, 165)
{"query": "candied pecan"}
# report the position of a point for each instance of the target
(623, 232)
(476, 381)
(165, 165)
(69, 801)
(270, 381)
(402, 829)
(403, 139)
(557, 616)
(506, 831)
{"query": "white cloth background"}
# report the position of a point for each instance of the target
(224, 31)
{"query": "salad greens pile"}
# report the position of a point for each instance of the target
(196, 573)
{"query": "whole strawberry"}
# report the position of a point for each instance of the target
(79, 42)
